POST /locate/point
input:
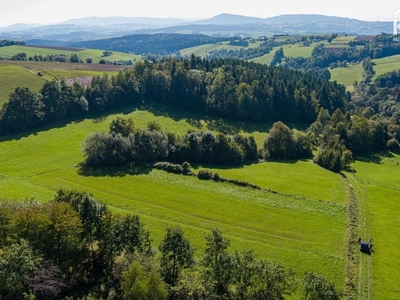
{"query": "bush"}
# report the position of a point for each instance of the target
(205, 174)
(168, 167)
(186, 168)
(89, 60)
(393, 145)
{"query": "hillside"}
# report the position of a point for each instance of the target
(97, 28)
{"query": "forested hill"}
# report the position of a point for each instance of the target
(162, 43)
(222, 87)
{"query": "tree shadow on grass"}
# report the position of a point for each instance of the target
(121, 171)
(375, 157)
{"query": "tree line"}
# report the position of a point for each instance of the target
(222, 87)
(74, 247)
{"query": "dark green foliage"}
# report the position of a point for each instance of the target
(317, 287)
(122, 126)
(272, 281)
(20, 56)
(130, 235)
(218, 262)
(177, 253)
(170, 168)
(153, 125)
(278, 56)
(160, 43)
(205, 174)
(23, 111)
(4, 43)
(280, 143)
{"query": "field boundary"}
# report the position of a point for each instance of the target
(352, 260)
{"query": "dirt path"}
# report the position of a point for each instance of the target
(359, 266)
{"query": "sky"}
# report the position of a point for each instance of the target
(55, 11)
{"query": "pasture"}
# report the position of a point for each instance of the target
(15, 74)
(386, 65)
(96, 55)
(377, 178)
(300, 231)
(347, 75)
(296, 50)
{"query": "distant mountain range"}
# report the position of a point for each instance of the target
(223, 25)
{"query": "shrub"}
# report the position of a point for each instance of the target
(205, 174)
(393, 145)
(186, 168)
(168, 167)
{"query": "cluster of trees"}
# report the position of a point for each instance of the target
(229, 88)
(126, 145)
(56, 101)
(4, 43)
(380, 98)
(53, 57)
(74, 247)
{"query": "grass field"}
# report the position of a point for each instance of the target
(378, 178)
(303, 233)
(12, 76)
(312, 181)
(386, 65)
(347, 75)
(15, 74)
(296, 50)
(10, 51)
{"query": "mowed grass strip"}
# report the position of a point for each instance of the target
(302, 233)
(299, 178)
(380, 180)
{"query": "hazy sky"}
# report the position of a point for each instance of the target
(53, 11)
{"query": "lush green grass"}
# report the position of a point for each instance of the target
(343, 39)
(15, 74)
(10, 51)
(296, 50)
(302, 233)
(12, 76)
(347, 75)
(301, 178)
(378, 177)
(386, 65)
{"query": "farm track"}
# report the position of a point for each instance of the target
(363, 282)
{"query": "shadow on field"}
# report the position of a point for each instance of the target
(376, 157)
(87, 171)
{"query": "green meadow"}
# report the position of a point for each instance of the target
(15, 74)
(347, 75)
(296, 50)
(386, 65)
(377, 179)
(304, 230)
(96, 55)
